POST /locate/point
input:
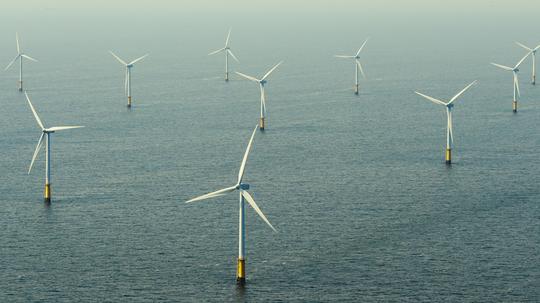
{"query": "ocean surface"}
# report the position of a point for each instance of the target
(365, 207)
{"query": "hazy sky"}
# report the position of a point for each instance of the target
(308, 6)
(465, 26)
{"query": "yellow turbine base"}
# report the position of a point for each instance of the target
(241, 271)
(129, 101)
(448, 156)
(514, 106)
(261, 123)
(47, 193)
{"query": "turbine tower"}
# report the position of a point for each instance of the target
(449, 132)
(45, 133)
(357, 65)
(533, 52)
(227, 50)
(262, 82)
(244, 197)
(514, 71)
(127, 82)
(20, 56)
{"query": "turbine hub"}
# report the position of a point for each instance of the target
(450, 105)
(263, 82)
(243, 186)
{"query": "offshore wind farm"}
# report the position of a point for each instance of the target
(379, 196)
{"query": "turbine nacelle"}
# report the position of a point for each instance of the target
(243, 186)
(450, 105)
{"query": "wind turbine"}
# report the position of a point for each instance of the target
(514, 71)
(533, 52)
(261, 82)
(127, 82)
(357, 65)
(45, 133)
(228, 52)
(449, 105)
(20, 56)
(244, 196)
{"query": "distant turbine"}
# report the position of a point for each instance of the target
(20, 56)
(227, 51)
(261, 82)
(127, 82)
(533, 52)
(45, 133)
(244, 196)
(449, 133)
(514, 71)
(357, 65)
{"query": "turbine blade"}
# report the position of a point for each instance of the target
(215, 52)
(38, 146)
(360, 68)
(361, 47)
(244, 160)
(13, 61)
(461, 92)
(502, 66)
(138, 59)
(214, 194)
(254, 205)
(431, 99)
(516, 83)
(34, 111)
(248, 77)
(29, 58)
(271, 70)
(57, 128)
(118, 58)
(232, 55)
(522, 59)
(18, 46)
(343, 56)
(523, 46)
(228, 36)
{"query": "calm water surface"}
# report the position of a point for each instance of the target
(356, 185)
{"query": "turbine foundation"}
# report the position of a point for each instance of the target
(47, 193)
(514, 106)
(261, 123)
(20, 86)
(534, 80)
(227, 76)
(448, 156)
(356, 89)
(129, 101)
(241, 272)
